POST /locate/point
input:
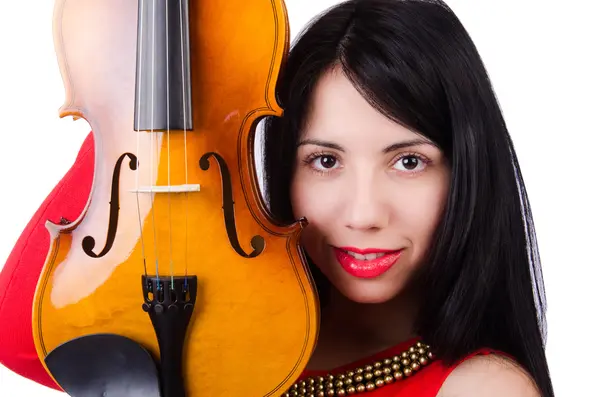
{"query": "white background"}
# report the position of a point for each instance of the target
(542, 56)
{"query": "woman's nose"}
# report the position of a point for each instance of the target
(366, 207)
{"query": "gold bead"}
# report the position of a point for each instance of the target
(341, 392)
(320, 379)
(377, 364)
(302, 391)
(361, 388)
(310, 395)
(341, 376)
(294, 393)
(310, 389)
(330, 378)
(407, 371)
(389, 379)
(387, 370)
(359, 371)
(329, 385)
(423, 360)
(331, 392)
(321, 394)
(369, 368)
(430, 355)
(379, 382)
(387, 361)
(421, 351)
(396, 359)
(348, 381)
(416, 366)
(368, 375)
(412, 349)
(404, 355)
(377, 373)
(350, 374)
(414, 356)
(358, 378)
(302, 384)
(419, 344)
(370, 386)
(351, 390)
(319, 386)
(339, 383)
(406, 362)
(398, 375)
(395, 366)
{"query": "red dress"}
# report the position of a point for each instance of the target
(20, 273)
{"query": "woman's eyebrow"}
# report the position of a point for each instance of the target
(317, 142)
(405, 144)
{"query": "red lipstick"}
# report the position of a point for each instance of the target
(365, 251)
(378, 261)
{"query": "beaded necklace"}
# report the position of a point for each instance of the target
(366, 378)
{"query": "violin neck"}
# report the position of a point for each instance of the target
(163, 85)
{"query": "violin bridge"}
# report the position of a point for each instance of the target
(167, 189)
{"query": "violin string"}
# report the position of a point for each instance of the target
(153, 140)
(137, 150)
(169, 145)
(184, 136)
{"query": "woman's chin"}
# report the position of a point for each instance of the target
(367, 293)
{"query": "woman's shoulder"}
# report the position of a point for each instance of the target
(492, 374)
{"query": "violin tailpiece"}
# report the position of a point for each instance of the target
(170, 301)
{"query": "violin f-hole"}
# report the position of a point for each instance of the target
(257, 242)
(89, 242)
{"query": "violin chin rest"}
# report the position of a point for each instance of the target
(104, 365)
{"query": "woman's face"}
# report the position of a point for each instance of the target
(371, 190)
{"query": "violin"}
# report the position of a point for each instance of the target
(176, 250)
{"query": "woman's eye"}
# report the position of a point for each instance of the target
(324, 162)
(410, 163)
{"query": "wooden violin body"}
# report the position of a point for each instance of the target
(173, 91)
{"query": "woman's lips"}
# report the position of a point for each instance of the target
(366, 266)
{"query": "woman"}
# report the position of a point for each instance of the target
(394, 148)
(391, 140)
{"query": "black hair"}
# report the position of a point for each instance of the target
(413, 60)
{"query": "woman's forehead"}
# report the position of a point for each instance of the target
(339, 112)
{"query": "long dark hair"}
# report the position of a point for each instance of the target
(414, 61)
